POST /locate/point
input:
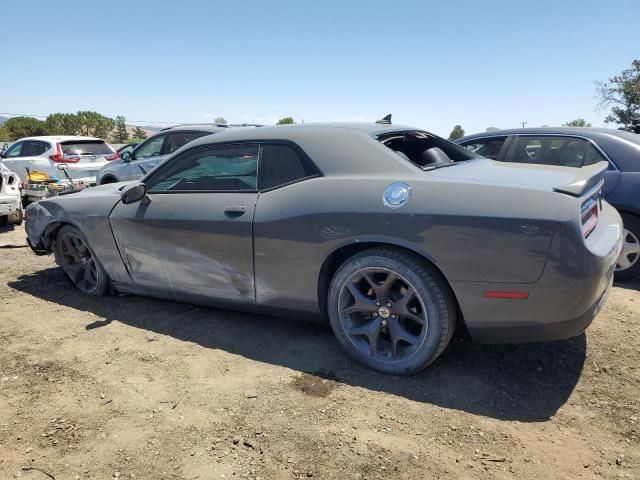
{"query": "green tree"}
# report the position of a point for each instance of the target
(286, 121)
(19, 127)
(4, 135)
(120, 134)
(578, 122)
(220, 121)
(92, 124)
(622, 94)
(139, 134)
(62, 124)
(456, 133)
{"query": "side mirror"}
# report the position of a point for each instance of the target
(126, 156)
(133, 193)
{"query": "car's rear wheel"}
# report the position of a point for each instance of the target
(79, 262)
(628, 266)
(391, 311)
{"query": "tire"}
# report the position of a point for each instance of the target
(410, 335)
(4, 221)
(631, 250)
(79, 263)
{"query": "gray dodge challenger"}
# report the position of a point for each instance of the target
(394, 235)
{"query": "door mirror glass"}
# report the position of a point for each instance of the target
(126, 156)
(133, 193)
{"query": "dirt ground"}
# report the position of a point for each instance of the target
(132, 387)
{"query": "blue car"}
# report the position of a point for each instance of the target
(578, 147)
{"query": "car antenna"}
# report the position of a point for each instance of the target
(385, 120)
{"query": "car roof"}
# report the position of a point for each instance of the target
(589, 132)
(304, 130)
(60, 138)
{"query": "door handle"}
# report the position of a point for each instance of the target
(235, 210)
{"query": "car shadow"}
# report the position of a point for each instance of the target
(527, 382)
(630, 285)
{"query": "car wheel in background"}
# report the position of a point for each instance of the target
(107, 180)
(628, 266)
(79, 263)
(391, 310)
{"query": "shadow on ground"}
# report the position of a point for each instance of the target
(511, 382)
(631, 285)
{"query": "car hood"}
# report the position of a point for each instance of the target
(569, 180)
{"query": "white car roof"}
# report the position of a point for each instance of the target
(61, 138)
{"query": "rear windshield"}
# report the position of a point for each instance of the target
(412, 144)
(86, 147)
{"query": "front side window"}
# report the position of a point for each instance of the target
(14, 150)
(487, 147)
(560, 151)
(209, 168)
(281, 164)
(178, 139)
(150, 148)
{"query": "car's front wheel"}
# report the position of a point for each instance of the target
(79, 263)
(628, 266)
(391, 311)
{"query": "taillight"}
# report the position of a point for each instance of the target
(589, 215)
(115, 156)
(59, 157)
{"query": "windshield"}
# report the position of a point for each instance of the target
(86, 147)
(413, 145)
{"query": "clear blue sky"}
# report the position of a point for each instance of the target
(431, 64)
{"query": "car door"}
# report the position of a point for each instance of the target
(144, 157)
(13, 160)
(192, 235)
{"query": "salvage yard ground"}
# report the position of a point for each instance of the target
(131, 387)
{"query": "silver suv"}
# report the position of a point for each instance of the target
(135, 163)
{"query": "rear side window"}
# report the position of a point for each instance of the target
(178, 139)
(86, 147)
(282, 164)
(487, 147)
(33, 148)
(559, 151)
(412, 145)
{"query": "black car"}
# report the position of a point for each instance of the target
(578, 147)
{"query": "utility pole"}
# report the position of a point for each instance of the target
(523, 124)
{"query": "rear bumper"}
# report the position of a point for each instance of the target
(9, 205)
(540, 332)
(562, 303)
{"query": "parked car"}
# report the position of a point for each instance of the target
(578, 147)
(84, 156)
(135, 163)
(390, 232)
(10, 202)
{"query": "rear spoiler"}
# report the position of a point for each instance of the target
(587, 179)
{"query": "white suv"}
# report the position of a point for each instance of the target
(83, 155)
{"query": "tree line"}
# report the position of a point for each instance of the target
(85, 123)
